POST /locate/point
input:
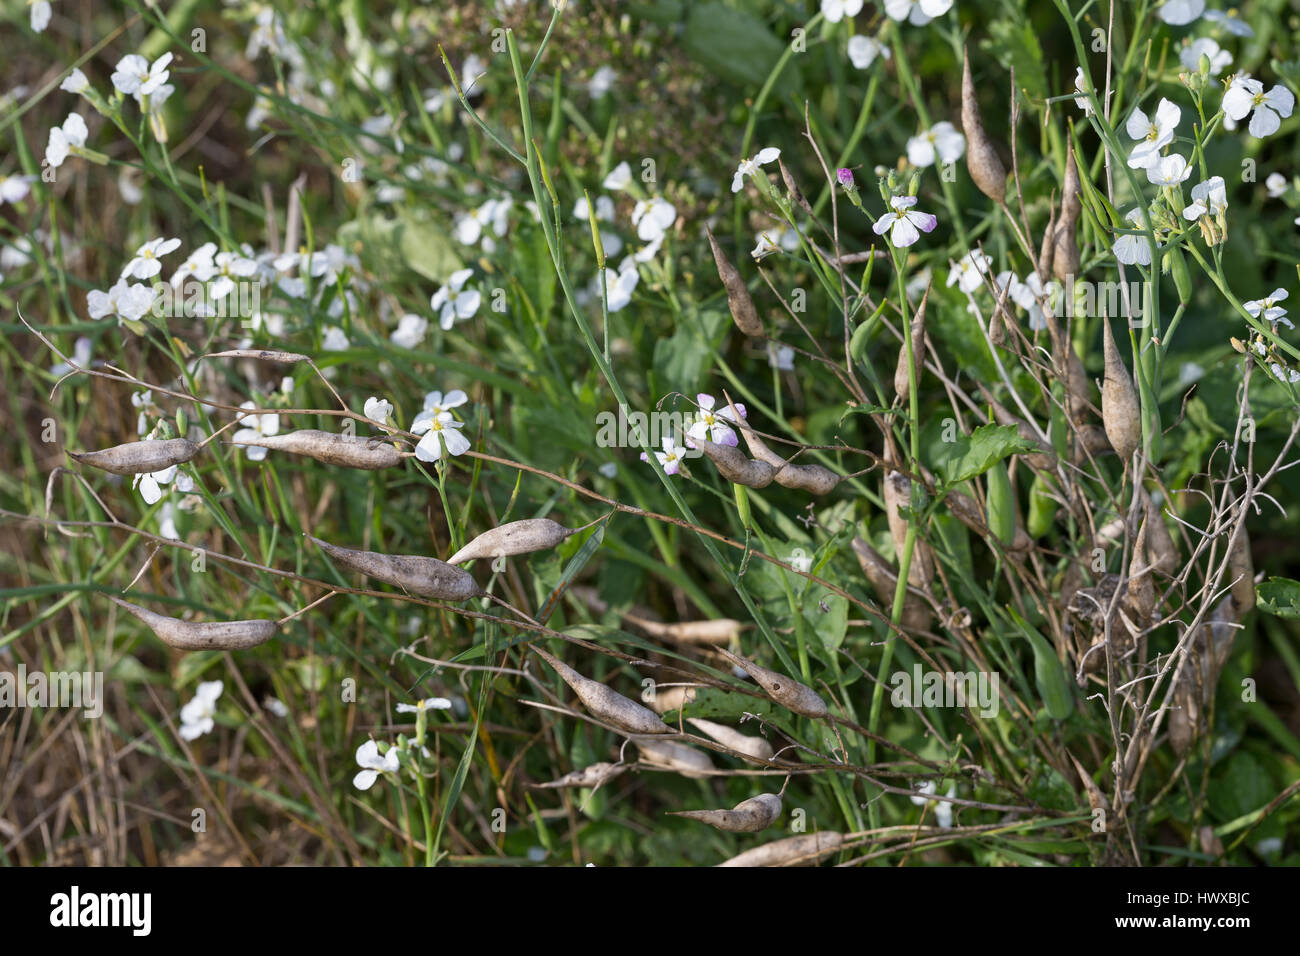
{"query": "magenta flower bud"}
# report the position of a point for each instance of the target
(844, 177)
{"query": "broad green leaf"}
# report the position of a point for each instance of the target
(1280, 596)
(973, 454)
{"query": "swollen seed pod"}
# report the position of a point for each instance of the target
(884, 580)
(793, 188)
(743, 311)
(671, 698)
(897, 495)
(802, 850)
(514, 537)
(1066, 261)
(139, 457)
(212, 636)
(734, 466)
(721, 631)
(1160, 543)
(1141, 589)
(755, 747)
(670, 755)
(790, 694)
(426, 577)
(918, 351)
(1047, 246)
(1002, 503)
(1119, 402)
(748, 816)
(1241, 571)
(605, 704)
(1071, 194)
(981, 158)
(811, 478)
(591, 776)
(343, 451)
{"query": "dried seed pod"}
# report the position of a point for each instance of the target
(1090, 440)
(1160, 543)
(426, 577)
(139, 457)
(734, 466)
(1207, 652)
(1047, 246)
(671, 698)
(211, 636)
(265, 355)
(1097, 800)
(789, 693)
(1241, 570)
(1078, 394)
(898, 494)
(748, 816)
(793, 188)
(755, 747)
(514, 537)
(590, 776)
(670, 755)
(811, 478)
(1119, 402)
(1066, 261)
(918, 351)
(721, 631)
(743, 311)
(1071, 200)
(884, 580)
(1141, 588)
(343, 451)
(981, 158)
(802, 850)
(605, 704)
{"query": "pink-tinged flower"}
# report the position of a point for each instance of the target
(844, 177)
(670, 458)
(712, 425)
(902, 224)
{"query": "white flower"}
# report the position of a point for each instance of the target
(228, 267)
(368, 758)
(1180, 12)
(712, 425)
(150, 485)
(619, 178)
(378, 410)
(1230, 21)
(477, 227)
(1208, 198)
(653, 218)
(134, 75)
(1154, 134)
(1191, 54)
(15, 188)
(453, 302)
(256, 427)
(620, 285)
(148, 258)
(1284, 374)
(968, 271)
(836, 10)
(196, 716)
(917, 12)
(1267, 309)
(1276, 184)
(75, 82)
(774, 240)
(780, 357)
(435, 404)
(66, 139)
(410, 330)
(941, 140)
(127, 301)
(863, 51)
(1245, 94)
(902, 223)
(200, 264)
(429, 703)
(1168, 170)
(1131, 249)
(276, 706)
(41, 13)
(750, 167)
(1081, 86)
(334, 339)
(942, 809)
(601, 82)
(81, 351)
(670, 458)
(433, 427)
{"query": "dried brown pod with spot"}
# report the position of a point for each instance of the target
(741, 303)
(918, 351)
(789, 693)
(670, 755)
(426, 577)
(1119, 402)
(209, 636)
(982, 160)
(897, 495)
(734, 466)
(803, 850)
(590, 776)
(139, 457)
(606, 704)
(748, 816)
(755, 747)
(883, 578)
(343, 451)
(1241, 571)
(513, 537)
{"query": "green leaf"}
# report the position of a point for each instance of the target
(1049, 676)
(1279, 596)
(976, 453)
(738, 47)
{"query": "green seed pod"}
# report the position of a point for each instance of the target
(739, 300)
(213, 636)
(139, 457)
(1178, 269)
(1002, 503)
(1042, 508)
(982, 160)
(749, 816)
